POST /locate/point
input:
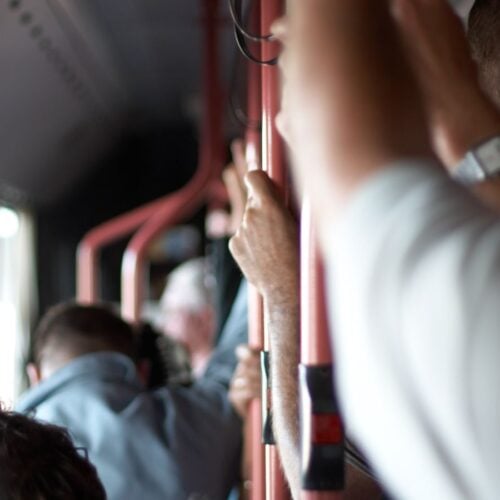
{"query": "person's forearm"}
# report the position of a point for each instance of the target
(362, 109)
(282, 323)
(459, 128)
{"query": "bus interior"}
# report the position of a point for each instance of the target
(116, 120)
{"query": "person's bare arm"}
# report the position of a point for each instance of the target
(351, 105)
(281, 313)
(266, 249)
(460, 114)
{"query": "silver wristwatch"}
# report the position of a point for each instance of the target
(480, 163)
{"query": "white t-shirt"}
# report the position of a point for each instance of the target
(414, 281)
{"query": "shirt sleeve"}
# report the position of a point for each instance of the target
(235, 332)
(414, 280)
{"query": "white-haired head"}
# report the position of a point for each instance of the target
(189, 285)
(187, 308)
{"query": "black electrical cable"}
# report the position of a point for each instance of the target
(235, 107)
(241, 34)
(242, 45)
(239, 25)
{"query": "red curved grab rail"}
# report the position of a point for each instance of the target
(101, 236)
(185, 202)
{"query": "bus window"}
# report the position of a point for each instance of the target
(16, 304)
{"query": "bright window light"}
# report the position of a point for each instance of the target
(9, 223)
(8, 360)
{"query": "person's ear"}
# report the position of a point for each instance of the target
(34, 374)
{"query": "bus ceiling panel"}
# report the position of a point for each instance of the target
(55, 112)
(157, 44)
(91, 47)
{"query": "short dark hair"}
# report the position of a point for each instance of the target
(39, 461)
(484, 41)
(76, 329)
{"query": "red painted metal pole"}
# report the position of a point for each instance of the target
(185, 202)
(253, 140)
(273, 162)
(272, 143)
(101, 236)
(315, 348)
(315, 344)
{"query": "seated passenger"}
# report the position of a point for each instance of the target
(39, 461)
(187, 311)
(171, 443)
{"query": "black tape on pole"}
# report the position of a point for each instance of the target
(322, 432)
(267, 411)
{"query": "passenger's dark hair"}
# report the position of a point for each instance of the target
(149, 350)
(76, 330)
(484, 40)
(39, 462)
(168, 360)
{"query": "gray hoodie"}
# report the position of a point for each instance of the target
(171, 444)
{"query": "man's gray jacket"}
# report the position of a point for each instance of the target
(171, 444)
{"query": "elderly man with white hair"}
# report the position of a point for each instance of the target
(187, 311)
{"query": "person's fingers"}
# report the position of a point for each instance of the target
(239, 159)
(259, 186)
(236, 192)
(237, 197)
(249, 373)
(244, 351)
(246, 381)
(279, 29)
(236, 246)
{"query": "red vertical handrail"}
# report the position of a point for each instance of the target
(273, 162)
(315, 341)
(186, 201)
(253, 141)
(315, 347)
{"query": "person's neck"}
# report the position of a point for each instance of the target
(48, 368)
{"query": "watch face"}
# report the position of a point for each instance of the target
(469, 170)
(488, 156)
(479, 163)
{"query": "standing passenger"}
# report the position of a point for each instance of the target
(187, 310)
(412, 259)
(169, 444)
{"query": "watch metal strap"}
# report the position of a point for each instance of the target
(479, 164)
